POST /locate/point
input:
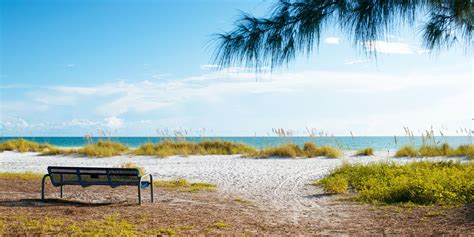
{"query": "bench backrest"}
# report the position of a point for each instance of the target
(87, 176)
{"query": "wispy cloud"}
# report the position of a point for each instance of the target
(209, 66)
(356, 62)
(116, 105)
(70, 65)
(331, 40)
(386, 47)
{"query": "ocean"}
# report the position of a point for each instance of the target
(381, 143)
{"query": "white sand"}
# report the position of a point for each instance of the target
(278, 182)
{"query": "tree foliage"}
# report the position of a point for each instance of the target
(294, 27)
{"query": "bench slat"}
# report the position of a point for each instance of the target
(87, 176)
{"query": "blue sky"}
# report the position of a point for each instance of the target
(71, 68)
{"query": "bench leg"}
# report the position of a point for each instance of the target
(151, 187)
(139, 194)
(61, 192)
(42, 186)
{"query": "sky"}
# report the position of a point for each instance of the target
(134, 68)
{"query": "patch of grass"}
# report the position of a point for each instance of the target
(141, 170)
(241, 200)
(22, 145)
(219, 225)
(406, 151)
(21, 176)
(365, 152)
(292, 150)
(54, 151)
(287, 150)
(336, 184)
(422, 183)
(183, 185)
(169, 148)
(434, 150)
(434, 214)
(103, 148)
(109, 225)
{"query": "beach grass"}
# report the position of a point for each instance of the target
(365, 152)
(424, 183)
(436, 150)
(108, 225)
(103, 148)
(310, 149)
(21, 176)
(182, 185)
(169, 148)
(141, 170)
(22, 145)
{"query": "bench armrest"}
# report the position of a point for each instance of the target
(146, 175)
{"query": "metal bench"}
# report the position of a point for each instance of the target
(88, 176)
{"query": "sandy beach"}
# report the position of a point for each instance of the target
(280, 182)
(276, 194)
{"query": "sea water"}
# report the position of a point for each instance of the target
(381, 143)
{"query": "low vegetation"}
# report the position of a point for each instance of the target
(169, 148)
(21, 176)
(183, 185)
(103, 148)
(141, 170)
(219, 225)
(425, 183)
(365, 152)
(310, 149)
(109, 225)
(22, 145)
(434, 150)
(107, 148)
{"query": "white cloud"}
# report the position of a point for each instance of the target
(70, 65)
(80, 123)
(209, 66)
(113, 122)
(393, 48)
(108, 105)
(331, 40)
(355, 62)
(15, 123)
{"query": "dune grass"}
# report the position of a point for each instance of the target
(108, 225)
(183, 185)
(103, 148)
(365, 152)
(22, 145)
(425, 183)
(169, 148)
(310, 149)
(21, 176)
(434, 150)
(141, 170)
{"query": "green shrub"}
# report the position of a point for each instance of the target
(22, 176)
(103, 149)
(287, 150)
(22, 145)
(406, 151)
(183, 185)
(141, 170)
(365, 152)
(420, 182)
(291, 150)
(169, 148)
(432, 150)
(335, 184)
